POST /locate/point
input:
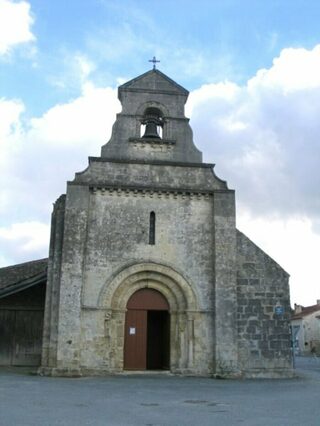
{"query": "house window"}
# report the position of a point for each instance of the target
(152, 228)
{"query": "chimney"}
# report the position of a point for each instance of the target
(297, 309)
(318, 301)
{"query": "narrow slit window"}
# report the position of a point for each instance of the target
(152, 228)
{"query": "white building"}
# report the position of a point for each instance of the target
(305, 324)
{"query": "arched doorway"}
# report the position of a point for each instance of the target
(147, 331)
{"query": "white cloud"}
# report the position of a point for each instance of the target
(78, 123)
(24, 241)
(39, 157)
(264, 137)
(73, 71)
(293, 70)
(10, 145)
(15, 25)
(10, 129)
(10, 111)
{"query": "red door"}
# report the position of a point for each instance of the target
(146, 331)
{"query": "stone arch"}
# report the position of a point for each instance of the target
(157, 105)
(182, 301)
(115, 293)
(152, 104)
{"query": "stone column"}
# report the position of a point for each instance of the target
(50, 327)
(226, 348)
(75, 235)
(190, 333)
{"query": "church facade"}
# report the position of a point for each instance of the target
(147, 270)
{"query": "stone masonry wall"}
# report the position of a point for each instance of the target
(226, 350)
(52, 302)
(118, 236)
(264, 338)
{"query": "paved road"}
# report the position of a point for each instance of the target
(160, 400)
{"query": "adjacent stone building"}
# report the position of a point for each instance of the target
(147, 270)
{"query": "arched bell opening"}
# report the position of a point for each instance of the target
(147, 331)
(152, 124)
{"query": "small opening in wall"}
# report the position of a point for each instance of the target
(143, 131)
(152, 228)
(152, 124)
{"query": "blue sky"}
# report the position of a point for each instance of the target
(253, 72)
(197, 43)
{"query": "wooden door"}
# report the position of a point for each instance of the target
(20, 337)
(147, 331)
(28, 338)
(135, 351)
(7, 325)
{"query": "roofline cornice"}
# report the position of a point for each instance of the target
(23, 285)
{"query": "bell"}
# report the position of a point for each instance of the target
(151, 130)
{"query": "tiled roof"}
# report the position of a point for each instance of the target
(306, 311)
(17, 277)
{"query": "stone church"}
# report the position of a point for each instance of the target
(146, 268)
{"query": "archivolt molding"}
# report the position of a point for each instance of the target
(152, 104)
(116, 293)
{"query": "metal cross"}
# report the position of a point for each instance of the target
(154, 61)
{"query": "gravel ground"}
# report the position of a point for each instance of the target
(160, 400)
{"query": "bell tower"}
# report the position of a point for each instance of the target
(152, 124)
(146, 267)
